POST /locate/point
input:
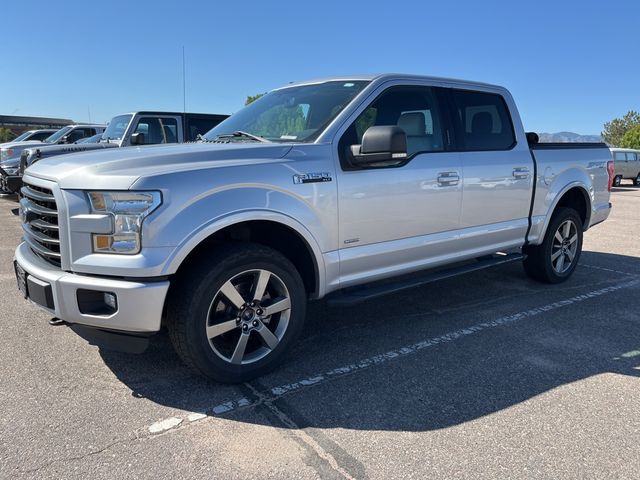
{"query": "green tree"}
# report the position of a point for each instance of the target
(278, 120)
(631, 139)
(253, 98)
(6, 135)
(616, 128)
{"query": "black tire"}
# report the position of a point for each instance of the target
(198, 289)
(617, 180)
(636, 181)
(539, 264)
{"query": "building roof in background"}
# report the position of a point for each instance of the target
(15, 120)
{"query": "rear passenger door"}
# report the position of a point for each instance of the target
(497, 171)
(632, 166)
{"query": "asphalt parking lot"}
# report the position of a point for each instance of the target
(489, 375)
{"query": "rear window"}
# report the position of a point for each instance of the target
(484, 121)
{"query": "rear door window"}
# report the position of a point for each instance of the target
(483, 121)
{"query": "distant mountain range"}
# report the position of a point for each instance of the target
(568, 137)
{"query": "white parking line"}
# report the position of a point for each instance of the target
(611, 270)
(274, 393)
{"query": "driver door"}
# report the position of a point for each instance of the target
(400, 218)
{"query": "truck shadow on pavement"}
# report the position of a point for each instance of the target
(447, 384)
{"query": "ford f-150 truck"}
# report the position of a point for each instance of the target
(139, 128)
(319, 188)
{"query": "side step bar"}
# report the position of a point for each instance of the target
(354, 295)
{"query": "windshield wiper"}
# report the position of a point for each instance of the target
(240, 133)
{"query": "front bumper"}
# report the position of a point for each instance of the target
(11, 183)
(139, 303)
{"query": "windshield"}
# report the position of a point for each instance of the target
(19, 138)
(58, 135)
(295, 114)
(116, 128)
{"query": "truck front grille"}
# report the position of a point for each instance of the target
(39, 214)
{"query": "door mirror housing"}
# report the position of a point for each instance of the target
(137, 139)
(384, 144)
(64, 139)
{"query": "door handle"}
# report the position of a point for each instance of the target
(520, 173)
(447, 179)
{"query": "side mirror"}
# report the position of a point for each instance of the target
(532, 138)
(381, 144)
(137, 139)
(64, 139)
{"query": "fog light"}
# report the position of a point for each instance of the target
(110, 300)
(94, 302)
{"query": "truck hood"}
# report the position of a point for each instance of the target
(119, 168)
(52, 150)
(22, 144)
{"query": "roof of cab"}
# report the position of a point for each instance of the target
(389, 76)
(620, 149)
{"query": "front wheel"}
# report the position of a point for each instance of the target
(557, 257)
(234, 315)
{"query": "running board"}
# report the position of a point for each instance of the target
(354, 295)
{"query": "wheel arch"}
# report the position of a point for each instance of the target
(277, 231)
(576, 196)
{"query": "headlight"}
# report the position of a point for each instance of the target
(129, 209)
(6, 153)
(11, 170)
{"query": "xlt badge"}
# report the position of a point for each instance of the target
(314, 177)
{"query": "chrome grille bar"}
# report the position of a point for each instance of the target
(40, 222)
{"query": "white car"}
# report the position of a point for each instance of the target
(627, 165)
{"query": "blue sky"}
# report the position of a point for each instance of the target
(571, 65)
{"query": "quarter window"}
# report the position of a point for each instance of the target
(483, 121)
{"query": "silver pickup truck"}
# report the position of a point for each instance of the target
(321, 188)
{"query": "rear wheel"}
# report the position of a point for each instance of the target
(636, 182)
(235, 315)
(617, 180)
(557, 257)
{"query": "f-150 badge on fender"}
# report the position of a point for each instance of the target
(314, 177)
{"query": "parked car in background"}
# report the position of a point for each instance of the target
(31, 136)
(10, 154)
(68, 134)
(139, 128)
(152, 128)
(627, 164)
(314, 188)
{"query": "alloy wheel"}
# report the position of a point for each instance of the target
(564, 247)
(248, 317)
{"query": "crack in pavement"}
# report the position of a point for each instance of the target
(135, 438)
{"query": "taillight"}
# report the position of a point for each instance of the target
(611, 170)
